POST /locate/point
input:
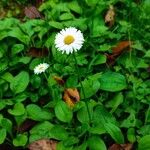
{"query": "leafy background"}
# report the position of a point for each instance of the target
(114, 71)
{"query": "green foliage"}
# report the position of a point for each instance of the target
(63, 112)
(113, 82)
(144, 143)
(36, 113)
(20, 140)
(96, 143)
(20, 82)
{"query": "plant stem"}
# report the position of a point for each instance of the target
(79, 77)
(50, 88)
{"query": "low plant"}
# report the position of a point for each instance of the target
(90, 98)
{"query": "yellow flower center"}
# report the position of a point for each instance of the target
(68, 39)
(41, 68)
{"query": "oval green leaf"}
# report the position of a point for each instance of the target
(63, 112)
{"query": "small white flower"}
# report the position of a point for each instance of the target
(40, 68)
(69, 40)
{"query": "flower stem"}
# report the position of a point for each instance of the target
(79, 77)
(50, 88)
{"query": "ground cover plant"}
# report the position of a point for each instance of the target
(75, 75)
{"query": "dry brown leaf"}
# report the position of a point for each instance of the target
(71, 96)
(39, 2)
(148, 69)
(37, 52)
(127, 146)
(117, 50)
(59, 80)
(26, 125)
(43, 144)
(110, 16)
(110, 59)
(32, 12)
(120, 47)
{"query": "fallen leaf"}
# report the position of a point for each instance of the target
(59, 80)
(120, 47)
(148, 69)
(32, 12)
(71, 96)
(26, 125)
(37, 52)
(43, 144)
(110, 59)
(39, 2)
(127, 146)
(118, 50)
(110, 16)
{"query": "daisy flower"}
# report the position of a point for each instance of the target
(69, 40)
(40, 68)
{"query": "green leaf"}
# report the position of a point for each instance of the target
(17, 110)
(83, 115)
(112, 82)
(130, 121)
(144, 143)
(17, 48)
(20, 98)
(24, 60)
(17, 33)
(40, 131)
(115, 132)
(7, 76)
(101, 115)
(2, 105)
(115, 102)
(20, 82)
(20, 140)
(71, 140)
(58, 132)
(2, 135)
(97, 129)
(144, 130)
(82, 146)
(6, 124)
(56, 25)
(74, 6)
(36, 113)
(36, 81)
(99, 59)
(90, 86)
(147, 55)
(63, 112)
(96, 143)
(4, 65)
(131, 135)
(92, 2)
(66, 16)
(61, 146)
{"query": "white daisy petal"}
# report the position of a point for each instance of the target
(40, 68)
(69, 40)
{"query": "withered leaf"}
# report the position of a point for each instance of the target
(120, 47)
(127, 146)
(110, 16)
(59, 80)
(110, 59)
(32, 12)
(37, 52)
(26, 125)
(71, 96)
(117, 50)
(38, 2)
(43, 144)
